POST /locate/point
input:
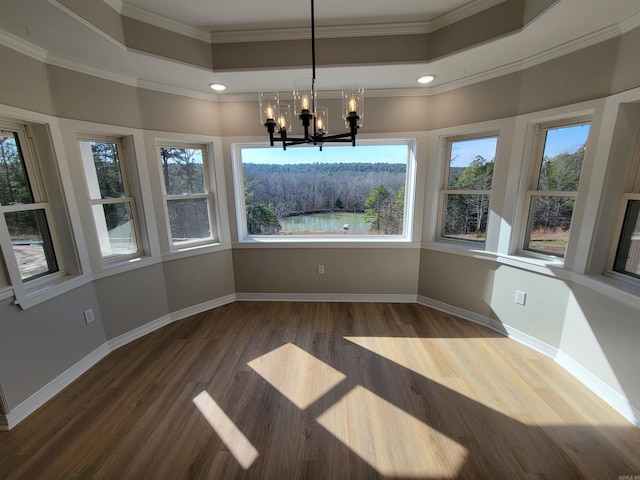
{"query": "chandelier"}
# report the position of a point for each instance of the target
(315, 120)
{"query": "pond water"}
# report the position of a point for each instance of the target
(325, 223)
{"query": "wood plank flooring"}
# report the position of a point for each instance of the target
(276, 390)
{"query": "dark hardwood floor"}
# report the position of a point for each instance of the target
(270, 390)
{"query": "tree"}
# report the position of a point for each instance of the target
(467, 213)
(261, 219)
(377, 208)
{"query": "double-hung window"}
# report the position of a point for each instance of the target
(110, 196)
(26, 234)
(550, 202)
(466, 191)
(187, 195)
(627, 254)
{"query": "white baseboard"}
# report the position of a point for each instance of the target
(46, 393)
(326, 297)
(614, 399)
(51, 389)
(597, 386)
(154, 325)
(35, 401)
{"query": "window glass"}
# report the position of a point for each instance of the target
(25, 213)
(187, 195)
(111, 201)
(467, 188)
(552, 203)
(340, 190)
(627, 259)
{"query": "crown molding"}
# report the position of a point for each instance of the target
(22, 46)
(85, 23)
(265, 35)
(347, 31)
(91, 70)
(630, 23)
(165, 23)
(40, 54)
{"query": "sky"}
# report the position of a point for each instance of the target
(559, 140)
(329, 154)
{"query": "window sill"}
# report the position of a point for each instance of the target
(338, 241)
(115, 268)
(607, 284)
(49, 289)
(185, 251)
(461, 248)
(550, 267)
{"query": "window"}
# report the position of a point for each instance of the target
(627, 259)
(25, 232)
(187, 195)
(339, 191)
(551, 201)
(112, 204)
(466, 192)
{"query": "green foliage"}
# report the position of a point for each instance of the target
(183, 170)
(320, 187)
(107, 163)
(261, 219)
(466, 214)
(383, 211)
(14, 186)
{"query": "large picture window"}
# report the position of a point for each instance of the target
(24, 225)
(466, 192)
(339, 191)
(551, 201)
(187, 194)
(110, 196)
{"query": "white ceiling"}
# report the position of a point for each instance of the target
(44, 29)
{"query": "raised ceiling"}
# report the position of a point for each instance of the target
(182, 46)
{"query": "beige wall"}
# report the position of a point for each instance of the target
(43, 341)
(195, 280)
(368, 271)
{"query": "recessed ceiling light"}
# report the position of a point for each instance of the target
(426, 79)
(218, 87)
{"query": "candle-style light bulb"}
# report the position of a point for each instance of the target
(304, 102)
(269, 111)
(320, 125)
(352, 104)
(282, 122)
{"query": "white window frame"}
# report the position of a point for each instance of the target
(533, 179)
(209, 194)
(21, 287)
(409, 199)
(632, 192)
(129, 197)
(444, 190)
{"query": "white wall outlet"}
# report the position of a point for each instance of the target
(320, 269)
(88, 316)
(520, 297)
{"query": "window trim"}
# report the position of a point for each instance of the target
(444, 190)
(209, 195)
(322, 240)
(535, 167)
(129, 191)
(23, 288)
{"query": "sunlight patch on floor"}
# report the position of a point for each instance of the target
(239, 446)
(299, 376)
(393, 442)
